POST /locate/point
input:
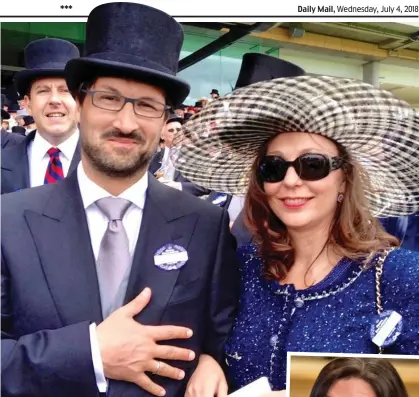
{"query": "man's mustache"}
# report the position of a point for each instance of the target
(135, 136)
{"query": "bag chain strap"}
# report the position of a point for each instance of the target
(379, 264)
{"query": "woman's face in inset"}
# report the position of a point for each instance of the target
(352, 387)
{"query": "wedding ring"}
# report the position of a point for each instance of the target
(157, 369)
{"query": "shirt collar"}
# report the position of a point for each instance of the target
(40, 146)
(91, 192)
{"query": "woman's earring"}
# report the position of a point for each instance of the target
(340, 197)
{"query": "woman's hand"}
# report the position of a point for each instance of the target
(208, 380)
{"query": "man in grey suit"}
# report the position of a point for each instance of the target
(112, 282)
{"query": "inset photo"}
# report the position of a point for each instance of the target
(352, 375)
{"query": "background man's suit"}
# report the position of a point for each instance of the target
(15, 165)
(50, 291)
(187, 186)
(10, 139)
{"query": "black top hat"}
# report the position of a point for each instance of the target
(13, 108)
(28, 120)
(214, 91)
(182, 106)
(256, 68)
(4, 100)
(4, 115)
(131, 41)
(44, 58)
(19, 130)
(174, 118)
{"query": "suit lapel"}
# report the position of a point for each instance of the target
(15, 166)
(62, 239)
(75, 160)
(163, 223)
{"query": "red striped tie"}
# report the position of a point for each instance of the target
(55, 168)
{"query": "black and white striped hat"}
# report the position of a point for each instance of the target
(378, 130)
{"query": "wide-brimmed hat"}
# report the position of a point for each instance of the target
(378, 130)
(131, 41)
(44, 58)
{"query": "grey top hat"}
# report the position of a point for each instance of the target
(44, 58)
(131, 41)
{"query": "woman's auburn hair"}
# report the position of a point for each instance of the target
(355, 232)
(379, 373)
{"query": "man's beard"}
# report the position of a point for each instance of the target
(119, 166)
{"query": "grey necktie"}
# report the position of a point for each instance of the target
(114, 259)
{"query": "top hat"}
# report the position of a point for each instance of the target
(4, 100)
(28, 120)
(131, 41)
(17, 129)
(214, 91)
(4, 115)
(14, 108)
(260, 67)
(44, 58)
(174, 118)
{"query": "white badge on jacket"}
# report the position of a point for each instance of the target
(170, 257)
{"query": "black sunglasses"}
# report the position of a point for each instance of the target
(309, 167)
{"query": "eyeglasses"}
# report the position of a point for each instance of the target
(142, 106)
(309, 167)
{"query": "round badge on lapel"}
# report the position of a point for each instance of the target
(386, 328)
(220, 199)
(170, 257)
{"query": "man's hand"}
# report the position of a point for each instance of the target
(129, 349)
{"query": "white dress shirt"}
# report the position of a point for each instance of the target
(98, 223)
(38, 157)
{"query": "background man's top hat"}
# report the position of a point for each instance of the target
(174, 118)
(17, 129)
(14, 108)
(4, 115)
(28, 120)
(131, 41)
(256, 68)
(44, 58)
(214, 91)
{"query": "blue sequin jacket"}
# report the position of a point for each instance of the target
(333, 316)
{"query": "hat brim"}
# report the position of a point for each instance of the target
(24, 78)
(378, 130)
(84, 69)
(5, 115)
